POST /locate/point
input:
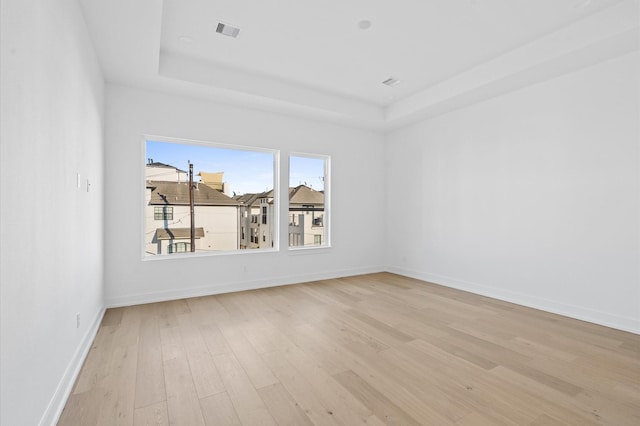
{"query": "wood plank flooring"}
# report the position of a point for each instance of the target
(374, 349)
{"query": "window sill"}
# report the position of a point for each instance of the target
(298, 251)
(244, 252)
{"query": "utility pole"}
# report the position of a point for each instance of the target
(191, 210)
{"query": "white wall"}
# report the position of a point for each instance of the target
(357, 162)
(530, 197)
(51, 245)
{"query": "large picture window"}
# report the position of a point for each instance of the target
(308, 200)
(205, 198)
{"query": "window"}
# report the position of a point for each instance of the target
(294, 239)
(179, 248)
(308, 200)
(163, 213)
(231, 187)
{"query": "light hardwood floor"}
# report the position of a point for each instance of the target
(374, 349)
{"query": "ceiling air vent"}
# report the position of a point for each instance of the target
(391, 82)
(227, 30)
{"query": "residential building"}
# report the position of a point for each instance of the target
(306, 217)
(249, 220)
(215, 180)
(164, 172)
(168, 219)
(168, 213)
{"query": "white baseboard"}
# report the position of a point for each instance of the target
(65, 386)
(606, 319)
(183, 293)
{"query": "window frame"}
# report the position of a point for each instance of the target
(276, 153)
(326, 216)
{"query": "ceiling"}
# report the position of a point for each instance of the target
(312, 58)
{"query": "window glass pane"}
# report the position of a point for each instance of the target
(231, 189)
(308, 206)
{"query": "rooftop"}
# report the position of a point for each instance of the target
(177, 193)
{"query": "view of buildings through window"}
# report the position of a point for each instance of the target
(231, 203)
(307, 207)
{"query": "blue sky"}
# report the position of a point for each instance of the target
(245, 171)
(307, 171)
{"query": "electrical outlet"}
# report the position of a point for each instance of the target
(78, 320)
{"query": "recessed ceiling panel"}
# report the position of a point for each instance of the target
(325, 45)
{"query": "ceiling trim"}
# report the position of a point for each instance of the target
(265, 88)
(609, 34)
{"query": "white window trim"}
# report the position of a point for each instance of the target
(327, 202)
